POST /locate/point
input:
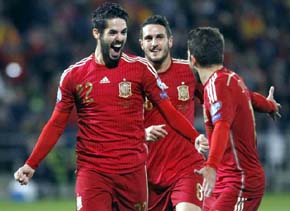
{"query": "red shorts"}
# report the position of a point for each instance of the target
(107, 192)
(186, 189)
(227, 201)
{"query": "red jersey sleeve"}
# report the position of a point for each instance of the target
(65, 93)
(153, 86)
(219, 141)
(48, 138)
(222, 101)
(261, 104)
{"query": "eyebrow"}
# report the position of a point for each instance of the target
(155, 35)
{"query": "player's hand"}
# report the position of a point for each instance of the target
(155, 132)
(201, 144)
(276, 114)
(24, 174)
(209, 178)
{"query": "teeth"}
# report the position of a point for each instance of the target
(117, 46)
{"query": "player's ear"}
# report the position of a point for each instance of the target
(141, 44)
(191, 58)
(96, 33)
(170, 41)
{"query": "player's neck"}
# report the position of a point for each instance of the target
(99, 56)
(206, 72)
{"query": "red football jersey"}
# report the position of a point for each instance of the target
(109, 105)
(173, 155)
(227, 98)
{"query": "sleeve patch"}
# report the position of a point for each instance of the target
(163, 95)
(216, 117)
(215, 107)
(161, 85)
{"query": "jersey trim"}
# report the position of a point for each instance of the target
(238, 164)
(229, 78)
(211, 90)
(180, 61)
(71, 67)
(141, 60)
(239, 206)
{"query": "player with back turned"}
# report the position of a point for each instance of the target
(233, 175)
(107, 88)
(172, 158)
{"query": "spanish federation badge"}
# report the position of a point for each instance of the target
(183, 92)
(125, 89)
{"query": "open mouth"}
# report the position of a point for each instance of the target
(116, 50)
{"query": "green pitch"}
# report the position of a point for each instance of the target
(271, 202)
(46, 205)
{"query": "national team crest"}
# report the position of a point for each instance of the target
(125, 89)
(183, 92)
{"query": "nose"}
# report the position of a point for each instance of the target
(154, 42)
(121, 37)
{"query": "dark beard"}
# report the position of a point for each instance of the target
(105, 48)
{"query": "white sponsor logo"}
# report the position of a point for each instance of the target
(105, 80)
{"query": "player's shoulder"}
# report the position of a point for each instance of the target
(130, 58)
(139, 61)
(76, 66)
(224, 77)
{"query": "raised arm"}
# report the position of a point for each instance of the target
(266, 105)
(46, 141)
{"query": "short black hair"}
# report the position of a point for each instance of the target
(159, 20)
(206, 44)
(107, 11)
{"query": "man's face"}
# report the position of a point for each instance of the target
(155, 43)
(112, 41)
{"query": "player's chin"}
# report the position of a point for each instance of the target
(115, 58)
(156, 59)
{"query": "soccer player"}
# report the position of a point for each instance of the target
(233, 175)
(172, 159)
(172, 184)
(108, 90)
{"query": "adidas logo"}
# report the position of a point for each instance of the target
(105, 80)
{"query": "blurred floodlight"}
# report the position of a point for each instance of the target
(13, 70)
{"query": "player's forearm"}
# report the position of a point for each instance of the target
(176, 120)
(48, 138)
(261, 104)
(219, 141)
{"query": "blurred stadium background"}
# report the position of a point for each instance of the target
(40, 38)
